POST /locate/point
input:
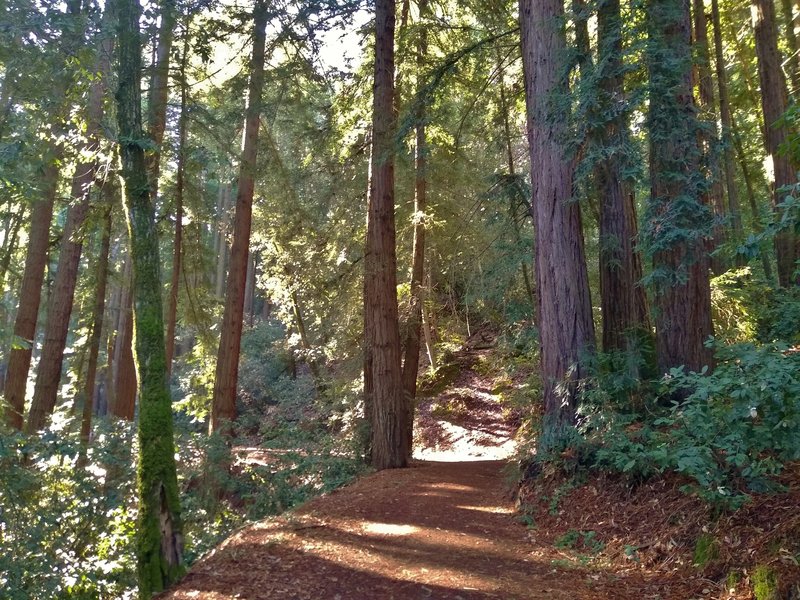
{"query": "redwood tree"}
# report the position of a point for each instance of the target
(414, 326)
(564, 311)
(385, 404)
(223, 409)
(677, 223)
(773, 104)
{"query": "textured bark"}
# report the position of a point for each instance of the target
(223, 410)
(122, 396)
(177, 244)
(725, 117)
(48, 376)
(95, 335)
(414, 325)
(19, 360)
(384, 398)
(773, 104)
(159, 530)
(683, 296)
(709, 138)
(622, 300)
(564, 307)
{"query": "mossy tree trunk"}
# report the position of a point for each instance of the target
(159, 530)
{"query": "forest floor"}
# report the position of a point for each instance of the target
(447, 528)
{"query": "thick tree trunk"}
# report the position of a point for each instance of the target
(383, 386)
(677, 220)
(773, 104)
(159, 531)
(48, 376)
(622, 300)
(19, 360)
(414, 325)
(177, 245)
(564, 311)
(223, 410)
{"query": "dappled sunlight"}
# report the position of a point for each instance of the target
(389, 529)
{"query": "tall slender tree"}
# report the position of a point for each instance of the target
(564, 310)
(774, 103)
(159, 548)
(385, 404)
(414, 325)
(223, 410)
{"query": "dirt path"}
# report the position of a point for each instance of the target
(441, 530)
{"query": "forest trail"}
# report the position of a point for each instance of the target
(443, 529)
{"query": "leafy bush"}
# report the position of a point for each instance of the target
(729, 437)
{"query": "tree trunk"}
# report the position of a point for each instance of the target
(59, 310)
(159, 91)
(223, 410)
(564, 310)
(172, 309)
(773, 105)
(95, 335)
(412, 342)
(677, 220)
(725, 118)
(159, 530)
(222, 245)
(709, 138)
(622, 301)
(122, 399)
(383, 386)
(19, 360)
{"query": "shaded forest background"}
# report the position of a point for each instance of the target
(609, 187)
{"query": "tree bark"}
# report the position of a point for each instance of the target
(773, 104)
(223, 410)
(564, 310)
(95, 334)
(383, 388)
(412, 342)
(622, 300)
(159, 530)
(62, 297)
(172, 309)
(19, 360)
(709, 138)
(677, 220)
(725, 117)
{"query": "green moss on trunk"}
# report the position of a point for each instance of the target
(159, 531)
